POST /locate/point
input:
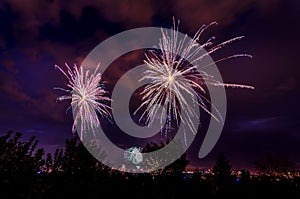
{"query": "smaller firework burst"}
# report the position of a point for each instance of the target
(134, 155)
(87, 98)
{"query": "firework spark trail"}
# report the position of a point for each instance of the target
(87, 97)
(170, 77)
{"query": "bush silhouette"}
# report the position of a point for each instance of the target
(26, 172)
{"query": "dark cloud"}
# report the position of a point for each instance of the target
(194, 13)
(130, 13)
(287, 85)
(42, 105)
(9, 66)
(2, 43)
(266, 124)
(10, 86)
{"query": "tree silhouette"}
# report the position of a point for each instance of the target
(76, 159)
(18, 157)
(222, 167)
(276, 166)
(20, 164)
(54, 164)
(72, 172)
(222, 175)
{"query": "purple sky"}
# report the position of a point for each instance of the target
(36, 35)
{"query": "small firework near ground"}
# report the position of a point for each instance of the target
(134, 155)
(87, 98)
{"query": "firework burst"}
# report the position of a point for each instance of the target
(172, 78)
(87, 98)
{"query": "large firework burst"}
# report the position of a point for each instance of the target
(87, 98)
(172, 77)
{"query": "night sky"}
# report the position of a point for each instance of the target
(37, 34)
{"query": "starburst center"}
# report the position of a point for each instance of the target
(171, 79)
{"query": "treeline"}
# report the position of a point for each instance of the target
(27, 172)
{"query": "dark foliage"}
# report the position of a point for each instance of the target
(25, 172)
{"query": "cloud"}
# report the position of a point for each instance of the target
(193, 12)
(40, 27)
(2, 42)
(9, 65)
(46, 106)
(35, 12)
(43, 105)
(10, 86)
(267, 124)
(34, 131)
(132, 13)
(287, 85)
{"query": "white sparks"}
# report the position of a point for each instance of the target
(172, 77)
(87, 98)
